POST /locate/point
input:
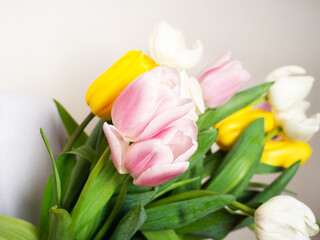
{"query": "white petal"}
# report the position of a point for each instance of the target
(286, 92)
(285, 71)
(167, 46)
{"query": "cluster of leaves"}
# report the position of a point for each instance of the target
(85, 191)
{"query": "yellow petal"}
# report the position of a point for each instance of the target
(105, 89)
(284, 153)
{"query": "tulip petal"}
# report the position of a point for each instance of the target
(219, 87)
(118, 146)
(167, 45)
(143, 155)
(159, 174)
(285, 71)
(286, 92)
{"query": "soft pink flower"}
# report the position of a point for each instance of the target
(149, 104)
(222, 80)
(157, 160)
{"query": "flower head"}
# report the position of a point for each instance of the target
(284, 218)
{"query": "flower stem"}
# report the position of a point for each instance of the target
(115, 209)
(77, 132)
(243, 207)
(259, 100)
(271, 134)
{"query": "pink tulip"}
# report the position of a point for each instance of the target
(157, 160)
(222, 80)
(149, 104)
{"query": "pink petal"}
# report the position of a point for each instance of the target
(134, 104)
(118, 146)
(144, 155)
(161, 173)
(219, 87)
(166, 117)
(217, 64)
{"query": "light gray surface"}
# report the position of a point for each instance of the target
(56, 49)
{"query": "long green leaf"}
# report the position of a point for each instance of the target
(274, 189)
(177, 214)
(161, 235)
(17, 229)
(129, 224)
(85, 151)
(216, 225)
(70, 124)
(61, 227)
(237, 102)
(265, 168)
(65, 164)
(240, 160)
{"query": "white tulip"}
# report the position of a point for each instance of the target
(190, 88)
(25, 165)
(167, 46)
(284, 218)
(288, 89)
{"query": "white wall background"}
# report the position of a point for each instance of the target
(57, 48)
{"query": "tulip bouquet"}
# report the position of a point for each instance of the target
(173, 156)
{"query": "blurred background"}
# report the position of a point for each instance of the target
(55, 49)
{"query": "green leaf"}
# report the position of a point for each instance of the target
(65, 164)
(17, 229)
(99, 188)
(70, 124)
(216, 225)
(55, 173)
(86, 152)
(237, 102)
(264, 185)
(61, 227)
(130, 223)
(161, 235)
(278, 185)
(274, 189)
(175, 185)
(212, 162)
(266, 168)
(177, 214)
(81, 171)
(240, 160)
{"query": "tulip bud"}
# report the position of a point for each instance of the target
(284, 218)
(231, 128)
(105, 89)
(167, 46)
(222, 80)
(284, 153)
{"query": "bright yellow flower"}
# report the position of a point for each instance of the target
(231, 128)
(284, 153)
(105, 89)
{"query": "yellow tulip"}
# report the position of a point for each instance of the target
(284, 153)
(105, 89)
(231, 128)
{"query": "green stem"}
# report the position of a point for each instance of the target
(260, 100)
(242, 207)
(271, 134)
(77, 132)
(115, 209)
(195, 194)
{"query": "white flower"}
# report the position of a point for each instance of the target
(24, 159)
(167, 46)
(190, 88)
(284, 218)
(288, 89)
